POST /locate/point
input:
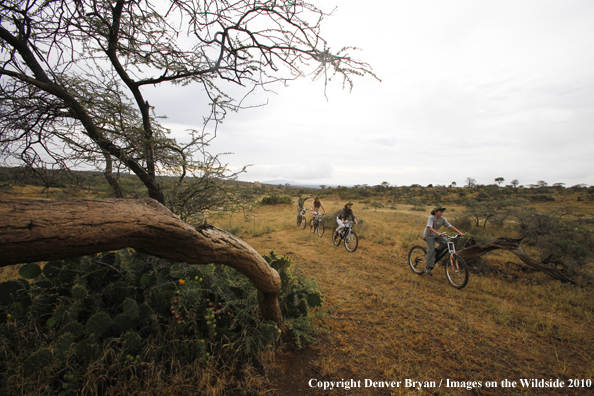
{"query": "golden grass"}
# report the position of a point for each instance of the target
(386, 323)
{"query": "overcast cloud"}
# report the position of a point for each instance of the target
(479, 89)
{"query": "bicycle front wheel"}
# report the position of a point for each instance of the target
(417, 259)
(457, 271)
(335, 237)
(351, 242)
(303, 221)
(320, 228)
(312, 226)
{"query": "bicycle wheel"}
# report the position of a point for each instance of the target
(312, 226)
(298, 221)
(335, 237)
(303, 222)
(320, 228)
(417, 259)
(351, 242)
(457, 271)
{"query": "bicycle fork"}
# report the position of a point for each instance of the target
(452, 250)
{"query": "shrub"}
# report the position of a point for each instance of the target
(115, 314)
(559, 239)
(276, 199)
(541, 198)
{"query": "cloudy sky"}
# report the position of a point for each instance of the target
(479, 89)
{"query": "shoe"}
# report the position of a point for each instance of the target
(428, 272)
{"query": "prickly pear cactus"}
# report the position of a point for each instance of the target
(98, 325)
(138, 308)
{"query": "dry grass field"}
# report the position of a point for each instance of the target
(382, 322)
(387, 331)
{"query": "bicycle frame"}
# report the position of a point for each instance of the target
(318, 218)
(450, 249)
(348, 228)
(456, 269)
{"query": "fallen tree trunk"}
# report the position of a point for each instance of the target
(43, 230)
(473, 250)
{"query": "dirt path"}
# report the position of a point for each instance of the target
(388, 325)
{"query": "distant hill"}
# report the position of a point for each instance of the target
(291, 183)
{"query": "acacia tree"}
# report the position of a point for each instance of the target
(470, 182)
(74, 76)
(73, 79)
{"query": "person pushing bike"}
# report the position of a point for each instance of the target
(432, 235)
(343, 216)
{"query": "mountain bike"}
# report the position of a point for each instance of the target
(350, 238)
(316, 222)
(301, 222)
(455, 266)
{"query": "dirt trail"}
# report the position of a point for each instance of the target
(387, 324)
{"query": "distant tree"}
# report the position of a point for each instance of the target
(499, 180)
(487, 210)
(322, 186)
(559, 185)
(515, 183)
(541, 184)
(453, 184)
(470, 182)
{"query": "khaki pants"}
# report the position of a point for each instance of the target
(431, 250)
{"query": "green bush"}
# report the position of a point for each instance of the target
(559, 239)
(276, 199)
(118, 309)
(541, 198)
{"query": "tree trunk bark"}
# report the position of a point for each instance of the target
(113, 182)
(513, 245)
(38, 230)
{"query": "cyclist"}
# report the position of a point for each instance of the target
(432, 235)
(300, 205)
(316, 205)
(344, 214)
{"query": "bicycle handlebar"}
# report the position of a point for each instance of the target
(451, 236)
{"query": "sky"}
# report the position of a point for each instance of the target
(479, 89)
